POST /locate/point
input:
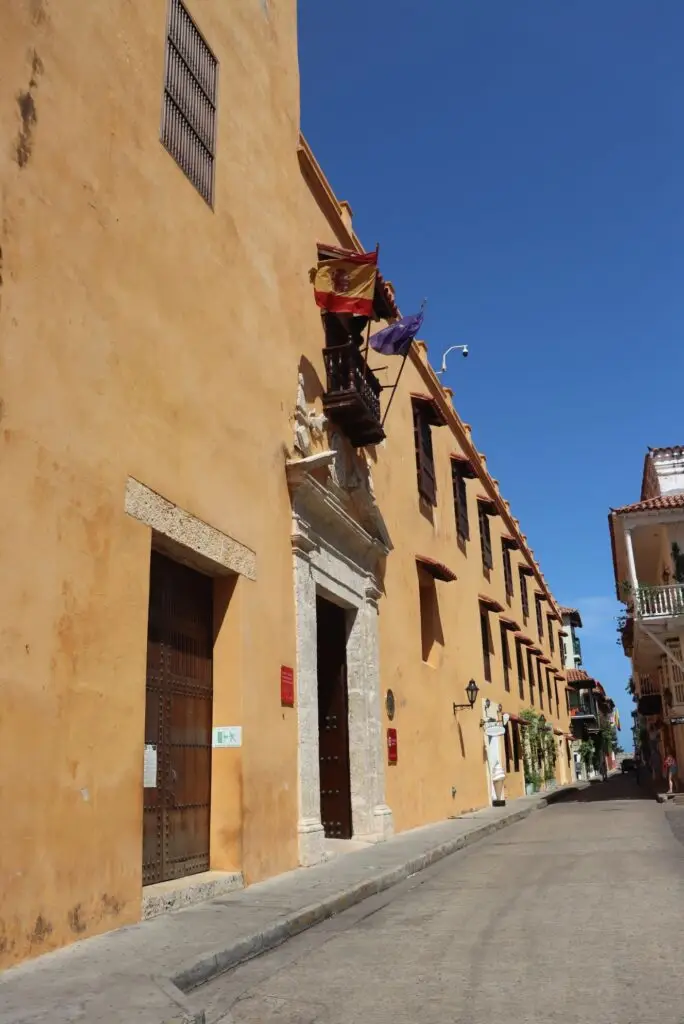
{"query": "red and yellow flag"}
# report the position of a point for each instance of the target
(347, 284)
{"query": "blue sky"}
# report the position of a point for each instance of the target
(522, 165)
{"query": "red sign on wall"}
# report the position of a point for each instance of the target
(392, 749)
(286, 686)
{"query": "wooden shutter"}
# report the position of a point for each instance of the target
(425, 462)
(530, 673)
(508, 572)
(521, 669)
(540, 618)
(460, 502)
(506, 658)
(484, 630)
(523, 595)
(485, 539)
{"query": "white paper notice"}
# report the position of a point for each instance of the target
(150, 767)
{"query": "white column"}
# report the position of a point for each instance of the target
(630, 562)
(309, 828)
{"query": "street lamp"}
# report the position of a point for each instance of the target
(471, 691)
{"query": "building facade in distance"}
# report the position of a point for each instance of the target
(647, 540)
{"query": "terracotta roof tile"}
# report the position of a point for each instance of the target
(464, 465)
(676, 449)
(490, 603)
(578, 675)
(430, 406)
(436, 569)
(573, 615)
(657, 504)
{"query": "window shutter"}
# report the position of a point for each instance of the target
(486, 540)
(427, 486)
(506, 658)
(523, 594)
(530, 673)
(460, 503)
(484, 629)
(508, 572)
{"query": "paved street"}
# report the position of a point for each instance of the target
(570, 915)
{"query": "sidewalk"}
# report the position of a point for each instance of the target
(139, 973)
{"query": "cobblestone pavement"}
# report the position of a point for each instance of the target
(573, 915)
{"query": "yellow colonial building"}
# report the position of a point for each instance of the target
(242, 603)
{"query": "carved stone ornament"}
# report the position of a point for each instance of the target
(308, 426)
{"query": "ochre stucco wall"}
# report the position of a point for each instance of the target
(141, 334)
(438, 750)
(145, 335)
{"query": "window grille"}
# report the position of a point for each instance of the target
(188, 128)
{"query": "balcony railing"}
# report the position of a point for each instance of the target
(352, 398)
(648, 686)
(660, 602)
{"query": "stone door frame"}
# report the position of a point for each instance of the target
(336, 557)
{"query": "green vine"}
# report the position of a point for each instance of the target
(539, 751)
(677, 562)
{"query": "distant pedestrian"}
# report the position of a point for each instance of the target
(669, 771)
(637, 769)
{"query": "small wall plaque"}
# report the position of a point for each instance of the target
(390, 705)
(226, 736)
(392, 747)
(287, 694)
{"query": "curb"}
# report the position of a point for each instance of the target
(209, 966)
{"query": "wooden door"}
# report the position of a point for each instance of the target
(333, 720)
(178, 720)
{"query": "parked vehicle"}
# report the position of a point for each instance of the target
(628, 764)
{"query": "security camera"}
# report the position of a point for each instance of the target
(453, 348)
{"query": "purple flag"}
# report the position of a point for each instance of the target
(396, 339)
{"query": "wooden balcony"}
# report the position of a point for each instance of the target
(352, 397)
(659, 603)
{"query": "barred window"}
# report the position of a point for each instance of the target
(188, 128)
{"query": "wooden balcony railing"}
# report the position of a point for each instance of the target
(660, 602)
(352, 398)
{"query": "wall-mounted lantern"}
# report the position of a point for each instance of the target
(471, 692)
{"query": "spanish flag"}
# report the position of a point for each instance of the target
(347, 284)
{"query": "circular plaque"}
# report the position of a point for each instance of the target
(390, 706)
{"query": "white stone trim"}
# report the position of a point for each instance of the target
(182, 528)
(335, 557)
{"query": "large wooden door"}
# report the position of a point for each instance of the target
(177, 722)
(333, 720)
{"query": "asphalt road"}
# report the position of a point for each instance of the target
(574, 915)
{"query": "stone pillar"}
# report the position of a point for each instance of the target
(309, 828)
(381, 815)
(360, 767)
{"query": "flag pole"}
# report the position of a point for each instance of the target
(370, 318)
(401, 370)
